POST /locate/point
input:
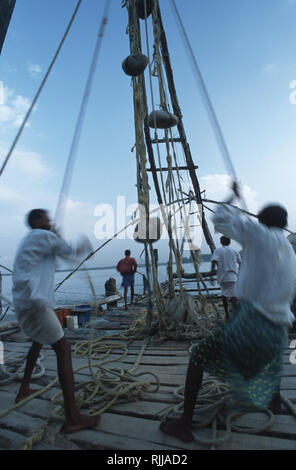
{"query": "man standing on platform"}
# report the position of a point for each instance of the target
(227, 261)
(127, 267)
(33, 289)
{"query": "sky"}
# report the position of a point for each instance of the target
(245, 51)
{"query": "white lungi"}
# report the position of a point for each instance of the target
(33, 282)
(41, 325)
(228, 289)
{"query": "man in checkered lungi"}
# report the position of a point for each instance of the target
(247, 351)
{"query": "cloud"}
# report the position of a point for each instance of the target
(8, 194)
(26, 167)
(78, 217)
(217, 188)
(13, 107)
(271, 69)
(24, 184)
(35, 70)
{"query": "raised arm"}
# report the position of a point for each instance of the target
(69, 251)
(230, 222)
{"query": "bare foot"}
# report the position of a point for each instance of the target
(176, 427)
(275, 404)
(275, 408)
(82, 422)
(22, 394)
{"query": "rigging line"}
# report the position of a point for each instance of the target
(26, 118)
(81, 115)
(164, 105)
(240, 209)
(90, 255)
(208, 104)
(164, 210)
(5, 313)
(7, 269)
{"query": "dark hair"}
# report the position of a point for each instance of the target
(35, 215)
(273, 216)
(127, 252)
(225, 241)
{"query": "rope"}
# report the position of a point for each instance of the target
(7, 269)
(108, 385)
(5, 313)
(81, 115)
(240, 209)
(111, 386)
(28, 114)
(90, 255)
(102, 378)
(213, 397)
(6, 376)
(208, 104)
(206, 98)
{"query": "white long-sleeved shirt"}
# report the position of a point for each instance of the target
(267, 275)
(228, 262)
(34, 267)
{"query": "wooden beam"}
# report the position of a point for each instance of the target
(164, 141)
(182, 134)
(174, 168)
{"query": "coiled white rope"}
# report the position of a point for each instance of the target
(12, 361)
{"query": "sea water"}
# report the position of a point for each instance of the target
(77, 289)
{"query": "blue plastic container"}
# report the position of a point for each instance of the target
(83, 312)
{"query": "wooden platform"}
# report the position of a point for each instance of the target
(133, 425)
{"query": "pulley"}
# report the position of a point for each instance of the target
(140, 6)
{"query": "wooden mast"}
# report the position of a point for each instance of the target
(182, 134)
(190, 167)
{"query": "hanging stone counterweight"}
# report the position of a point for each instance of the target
(134, 65)
(162, 120)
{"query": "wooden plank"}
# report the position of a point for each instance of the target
(165, 379)
(239, 441)
(35, 408)
(145, 431)
(109, 299)
(284, 425)
(141, 408)
(288, 383)
(98, 440)
(18, 422)
(134, 425)
(289, 369)
(10, 440)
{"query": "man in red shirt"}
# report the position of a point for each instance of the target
(127, 268)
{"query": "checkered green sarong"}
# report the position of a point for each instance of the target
(247, 352)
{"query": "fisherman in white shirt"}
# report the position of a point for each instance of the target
(227, 261)
(33, 288)
(247, 352)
